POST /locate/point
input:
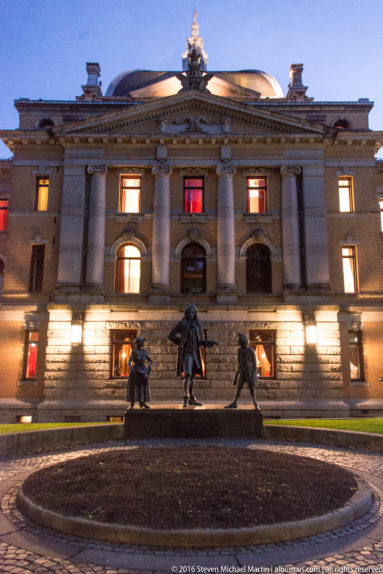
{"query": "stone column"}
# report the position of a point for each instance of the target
(96, 227)
(71, 228)
(316, 241)
(161, 227)
(225, 229)
(290, 228)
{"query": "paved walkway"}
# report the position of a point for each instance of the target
(27, 548)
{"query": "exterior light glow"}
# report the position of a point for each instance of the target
(76, 334)
(311, 335)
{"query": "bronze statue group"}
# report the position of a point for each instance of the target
(188, 336)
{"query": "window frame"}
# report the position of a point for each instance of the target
(254, 342)
(36, 274)
(358, 344)
(4, 208)
(117, 268)
(131, 337)
(122, 188)
(264, 188)
(195, 187)
(352, 257)
(350, 188)
(27, 344)
(39, 187)
(190, 259)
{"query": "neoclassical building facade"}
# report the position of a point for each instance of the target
(263, 209)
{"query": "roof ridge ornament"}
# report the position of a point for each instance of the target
(194, 41)
(194, 78)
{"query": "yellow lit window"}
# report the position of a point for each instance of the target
(256, 194)
(128, 270)
(42, 191)
(130, 191)
(381, 213)
(122, 346)
(349, 269)
(346, 201)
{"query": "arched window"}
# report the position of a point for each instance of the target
(46, 123)
(128, 269)
(258, 269)
(193, 269)
(342, 124)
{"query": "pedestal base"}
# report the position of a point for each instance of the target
(196, 423)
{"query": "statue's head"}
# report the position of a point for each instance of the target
(139, 342)
(191, 311)
(242, 339)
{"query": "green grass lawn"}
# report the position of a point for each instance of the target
(373, 425)
(4, 429)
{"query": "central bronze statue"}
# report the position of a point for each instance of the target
(188, 335)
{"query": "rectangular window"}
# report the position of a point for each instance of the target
(130, 194)
(381, 214)
(349, 269)
(37, 269)
(345, 188)
(122, 346)
(3, 214)
(263, 343)
(31, 347)
(256, 194)
(355, 346)
(193, 194)
(42, 191)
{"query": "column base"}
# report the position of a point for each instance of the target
(159, 294)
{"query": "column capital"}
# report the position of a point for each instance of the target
(290, 170)
(99, 169)
(164, 169)
(227, 169)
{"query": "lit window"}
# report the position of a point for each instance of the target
(346, 202)
(37, 269)
(128, 270)
(42, 191)
(130, 192)
(31, 347)
(381, 214)
(258, 269)
(349, 269)
(193, 269)
(122, 346)
(256, 194)
(263, 343)
(3, 214)
(355, 346)
(193, 192)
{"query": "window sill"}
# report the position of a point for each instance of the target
(359, 384)
(256, 217)
(130, 217)
(196, 217)
(27, 383)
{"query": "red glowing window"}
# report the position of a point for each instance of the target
(3, 214)
(193, 193)
(32, 342)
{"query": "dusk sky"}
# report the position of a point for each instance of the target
(44, 44)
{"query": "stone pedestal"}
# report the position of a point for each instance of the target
(197, 423)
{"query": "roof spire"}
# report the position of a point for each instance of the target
(194, 41)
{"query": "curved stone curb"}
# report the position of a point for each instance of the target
(358, 505)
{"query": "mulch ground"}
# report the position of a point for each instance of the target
(191, 487)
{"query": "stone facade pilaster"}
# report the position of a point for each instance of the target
(161, 227)
(72, 228)
(290, 228)
(225, 229)
(96, 227)
(316, 241)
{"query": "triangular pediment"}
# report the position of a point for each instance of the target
(189, 112)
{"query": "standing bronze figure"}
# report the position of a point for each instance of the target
(140, 365)
(188, 335)
(246, 372)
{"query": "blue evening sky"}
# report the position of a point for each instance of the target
(44, 44)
